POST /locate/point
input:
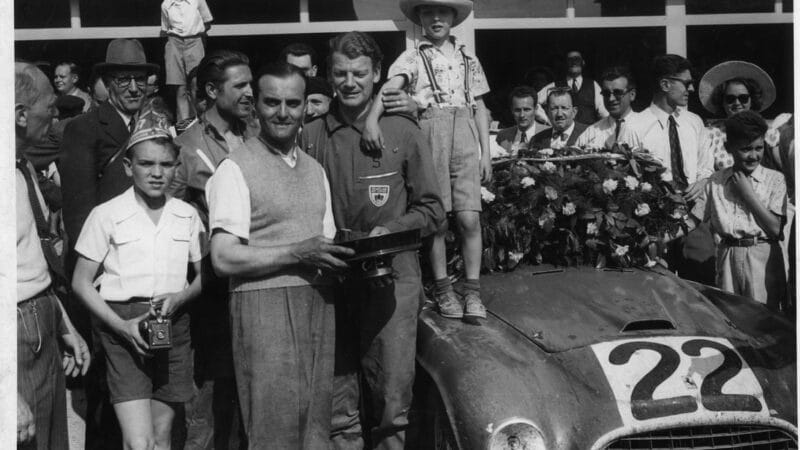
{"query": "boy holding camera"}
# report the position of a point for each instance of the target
(140, 243)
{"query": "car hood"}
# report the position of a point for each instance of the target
(565, 309)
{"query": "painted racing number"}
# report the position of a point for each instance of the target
(668, 376)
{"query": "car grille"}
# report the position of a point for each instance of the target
(710, 437)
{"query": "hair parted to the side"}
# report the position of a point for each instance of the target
(522, 91)
(298, 49)
(354, 44)
(26, 90)
(614, 72)
(212, 69)
(744, 127)
(668, 65)
(277, 69)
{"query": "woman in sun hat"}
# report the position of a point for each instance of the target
(731, 87)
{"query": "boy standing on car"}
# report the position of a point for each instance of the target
(375, 192)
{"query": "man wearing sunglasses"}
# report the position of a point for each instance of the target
(677, 137)
(618, 91)
(92, 173)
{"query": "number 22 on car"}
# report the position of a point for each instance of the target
(672, 377)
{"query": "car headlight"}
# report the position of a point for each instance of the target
(517, 434)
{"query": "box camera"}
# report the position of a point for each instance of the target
(157, 333)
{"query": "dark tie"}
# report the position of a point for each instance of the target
(131, 126)
(523, 137)
(616, 129)
(575, 85)
(676, 156)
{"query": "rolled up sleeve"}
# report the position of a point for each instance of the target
(229, 201)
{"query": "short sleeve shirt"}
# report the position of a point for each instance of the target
(459, 77)
(185, 18)
(726, 211)
(141, 258)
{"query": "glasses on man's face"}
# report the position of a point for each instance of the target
(743, 98)
(617, 93)
(124, 82)
(686, 83)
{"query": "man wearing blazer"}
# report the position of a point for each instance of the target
(561, 113)
(92, 173)
(523, 107)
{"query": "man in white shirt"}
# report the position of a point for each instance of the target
(561, 112)
(618, 91)
(523, 107)
(585, 90)
(670, 132)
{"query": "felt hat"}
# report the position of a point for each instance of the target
(125, 54)
(735, 69)
(461, 7)
(151, 124)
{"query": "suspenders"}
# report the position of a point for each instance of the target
(437, 90)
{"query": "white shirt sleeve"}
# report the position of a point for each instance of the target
(705, 154)
(228, 200)
(598, 102)
(205, 13)
(197, 240)
(328, 225)
(94, 240)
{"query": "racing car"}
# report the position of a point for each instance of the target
(581, 358)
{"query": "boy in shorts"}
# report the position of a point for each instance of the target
(746, 206)
(448, 84)
(185, 24)
(141, 243)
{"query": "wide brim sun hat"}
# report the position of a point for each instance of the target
(735, 69)
(461, 7)
(125, 54)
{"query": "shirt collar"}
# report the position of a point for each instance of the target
(129, 208)
(425, 42)
(567, 132)
(333, 120)
(579, 79)
(125, 117)
(663, 116)
(238, 127)
(292, 155)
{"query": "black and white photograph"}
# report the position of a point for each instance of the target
(400, 224)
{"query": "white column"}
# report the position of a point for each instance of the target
(571, 9)
(676, 27)
(74, 13)
(304, 17)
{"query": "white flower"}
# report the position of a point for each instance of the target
(549, 167)
(642, 209)
(646, 187)
(772, 137)
(665, 176)
(546, 152)
(550, 193)
(515, 256)
(609, 186)
(527, 182)
(568, 209)
(631, 182)
(487, 195)
(677, 214)
(621, 250)
(547, 216)
(591, 228)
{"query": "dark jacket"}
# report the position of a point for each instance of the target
(542, 139)
(90, 141)
(584, 100)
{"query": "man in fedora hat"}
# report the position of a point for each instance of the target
(92, 173)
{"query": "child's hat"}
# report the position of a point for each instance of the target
(461, 7)
(151, 124)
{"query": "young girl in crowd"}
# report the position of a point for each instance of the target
(141, 243)
(745, 206)
(448, 84)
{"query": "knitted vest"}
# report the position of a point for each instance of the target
(584, 101)
(287, 205)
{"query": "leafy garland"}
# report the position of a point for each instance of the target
(599, 209)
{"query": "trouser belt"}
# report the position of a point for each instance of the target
(746, 242)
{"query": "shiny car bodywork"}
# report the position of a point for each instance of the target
(588, 358)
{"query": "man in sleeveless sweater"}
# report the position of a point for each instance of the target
(374, 192)
(271, 219)
(585, 91)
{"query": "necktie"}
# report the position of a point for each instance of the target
(131, 126)
(523, 137)
(575, 85)
(616, 129)
(676, 156)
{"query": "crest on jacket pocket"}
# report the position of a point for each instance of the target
(378, 194)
